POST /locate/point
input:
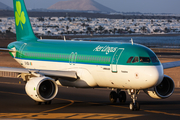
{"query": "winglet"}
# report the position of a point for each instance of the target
(64, 38)
(132, 41)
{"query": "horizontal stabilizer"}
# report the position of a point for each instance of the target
(16, 70)
(6, 50)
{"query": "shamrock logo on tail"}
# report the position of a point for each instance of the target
(19, 15)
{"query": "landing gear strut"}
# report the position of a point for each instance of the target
(134, 105)
(115, 95)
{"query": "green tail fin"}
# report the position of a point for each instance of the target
(23, 26)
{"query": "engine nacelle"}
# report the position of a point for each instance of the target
(41, 89)
(164, 90)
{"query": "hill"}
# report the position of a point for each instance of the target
(4, 7)
(80, 5)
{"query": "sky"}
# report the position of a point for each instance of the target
(143, 6)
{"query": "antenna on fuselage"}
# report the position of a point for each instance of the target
(64, 38)
(132, 41)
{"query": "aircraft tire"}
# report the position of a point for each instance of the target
(48, 102)
(122, 97)
(113, 97)
(131, 106)
(134, 107)
(38, 103)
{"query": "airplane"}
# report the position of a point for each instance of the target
(83, 64)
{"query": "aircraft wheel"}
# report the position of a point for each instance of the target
(48, 102)
(38, 103)
(113, 97)
(122, 97)
(137, 106)
(133, 106)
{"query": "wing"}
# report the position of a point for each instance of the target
(59, 74)
(171, 64)
(49, 73)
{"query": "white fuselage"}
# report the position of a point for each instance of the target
(126, 77)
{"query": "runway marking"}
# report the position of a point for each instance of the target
(67, 115)
(119, 106)
(150, 111)
(72, 102)
(172, 114)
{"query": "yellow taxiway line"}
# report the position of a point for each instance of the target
(71, 101)
(84, 115)
(67, 116)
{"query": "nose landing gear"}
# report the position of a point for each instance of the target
(134, 105)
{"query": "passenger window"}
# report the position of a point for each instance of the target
(145, 59)
(154, 59)
(129, 60)
(136, 59)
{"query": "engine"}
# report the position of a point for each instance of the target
(41, 89)
(164, 90)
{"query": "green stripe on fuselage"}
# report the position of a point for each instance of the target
(83, 52)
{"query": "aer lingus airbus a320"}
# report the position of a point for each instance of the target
(83, 64)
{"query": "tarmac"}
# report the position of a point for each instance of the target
(73, 103)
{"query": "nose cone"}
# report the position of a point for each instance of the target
(147, 77)
(155, 75)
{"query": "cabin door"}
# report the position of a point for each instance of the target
(72, 58)
(21, 50)
(115, 60)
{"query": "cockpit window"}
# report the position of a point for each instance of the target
(141, 59)
(154, 59)
(145, 59)
(129, 60)
(136, 59)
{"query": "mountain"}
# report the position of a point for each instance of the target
(4, 7)
(80, 5)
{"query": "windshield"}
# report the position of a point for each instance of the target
(145, 59)
(136, 59)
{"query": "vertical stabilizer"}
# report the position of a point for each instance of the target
(23, 26)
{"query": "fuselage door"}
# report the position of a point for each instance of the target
(115, 60)
(21, 50)
(72, 58)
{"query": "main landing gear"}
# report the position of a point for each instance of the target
(121, 95)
